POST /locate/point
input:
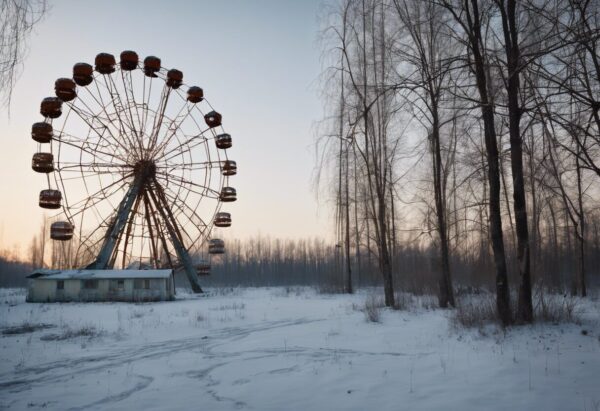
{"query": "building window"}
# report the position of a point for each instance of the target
(60, 285)
(90, 284)
(141, 284)
(116, 285)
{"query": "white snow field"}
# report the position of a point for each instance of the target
(286, 349)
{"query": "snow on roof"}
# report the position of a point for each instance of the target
(98, 274)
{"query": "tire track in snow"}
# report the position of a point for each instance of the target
(30, 377)
(145, 381)
(24, 378)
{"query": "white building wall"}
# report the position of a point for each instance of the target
(41, 291)
(45, 290)
(72, 288)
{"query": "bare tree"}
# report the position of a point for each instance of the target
(470, 19)
(17, 20)
(428, 52)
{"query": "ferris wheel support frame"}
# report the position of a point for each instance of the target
(115, 230)
(176, 240)
(135, 192)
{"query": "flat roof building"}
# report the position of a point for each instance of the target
(100, 285)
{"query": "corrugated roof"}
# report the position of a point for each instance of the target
(97, 274)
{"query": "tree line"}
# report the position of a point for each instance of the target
(470, 126)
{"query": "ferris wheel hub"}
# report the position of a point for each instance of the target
(145, 169)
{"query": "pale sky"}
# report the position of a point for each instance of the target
(258, 62)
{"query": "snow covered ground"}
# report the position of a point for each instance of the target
(285, 349)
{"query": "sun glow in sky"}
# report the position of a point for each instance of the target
(258, 62)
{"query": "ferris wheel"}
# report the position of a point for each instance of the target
(137, 161)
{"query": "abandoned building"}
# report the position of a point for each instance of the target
(100, 285)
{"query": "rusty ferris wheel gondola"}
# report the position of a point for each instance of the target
(137, 161)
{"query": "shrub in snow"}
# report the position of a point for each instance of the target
(474, 312)
(68, 333)
(555, 308)
(331, 288)
(372, 308)
(25, 328)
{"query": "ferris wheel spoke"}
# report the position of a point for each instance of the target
(146, 104)
(181, 193)
(92, 150)
(82, 174)
(198, 138)
(66, 166)
(101, 136)
(202, 132)
(100, 101)
(173, 197)
(88, 243)
(158, 121)
(204, 165)
(173, 128)
(126, 108)
(75, 175)
(182, 206)
(91, 202)
(182, 157)
(185, 235)
(128, 88)
(202, 126)
(125, 128)
(191, 190)
(187, 184)
(103, 141)
(122, 108)
(101, 194)
(85, 116)
(172, 153)
(104, 121)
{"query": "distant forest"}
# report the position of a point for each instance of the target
(264, 261)
(13, 270)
